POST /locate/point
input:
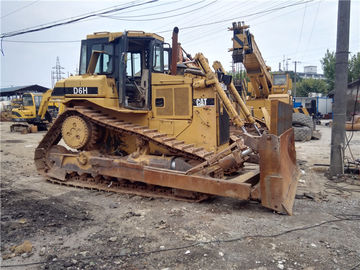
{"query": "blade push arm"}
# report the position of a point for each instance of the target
(211, 78)
(218, 67)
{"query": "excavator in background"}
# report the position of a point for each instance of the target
(138, 120)
(266, 89)
(35, 112)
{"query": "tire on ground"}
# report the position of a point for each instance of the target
(302, 133)
(300, 119)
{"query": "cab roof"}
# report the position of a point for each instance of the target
(114, 35)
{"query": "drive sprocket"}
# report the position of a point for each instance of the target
(76, 132)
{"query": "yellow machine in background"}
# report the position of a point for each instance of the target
(16, 103)
(263, 87)
(36, 109)
(266, 90)
(281, 83)
(137, 121)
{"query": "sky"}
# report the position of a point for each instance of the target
(298, 30)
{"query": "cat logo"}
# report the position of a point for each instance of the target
(202, 102)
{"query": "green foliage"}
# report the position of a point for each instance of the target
(239, 76)
(328, 65)
(354, 67)
(292, 76)
(306, 86)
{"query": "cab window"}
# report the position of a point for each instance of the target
(105, 60)
(133, 64)
(104, 64)
(279, 79)
(166, 60)
(83, 59)
(27, 100)
(158, 61)
(37, 100)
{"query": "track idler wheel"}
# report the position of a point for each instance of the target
(78, 133)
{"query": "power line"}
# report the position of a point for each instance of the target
(84, 14)
(21, 8)
(243, 16)
(45, 41)
(213, 32)
(313, 25)
(184, 28)
(158, 13)
(36, 29)
(72, 20)
(160, 18)
(57, 21)
(276, 17)
(234, 10)
(350, 217)
(301, 29)
(153, 6)
(217, 9)
(206, 35)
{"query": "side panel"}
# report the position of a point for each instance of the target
(171, 99)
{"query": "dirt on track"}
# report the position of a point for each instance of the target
(81, 229)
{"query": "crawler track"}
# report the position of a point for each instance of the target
(126, 187)
(179, 148)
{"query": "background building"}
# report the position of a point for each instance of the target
(8, 92)
(310, 72)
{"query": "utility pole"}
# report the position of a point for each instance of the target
(296, 62)
(287, 63)
(283, 61)
(341, 75)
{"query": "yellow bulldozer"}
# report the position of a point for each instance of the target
(138, 121)
(34, 110)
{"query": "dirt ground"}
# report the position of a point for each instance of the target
(70, 228)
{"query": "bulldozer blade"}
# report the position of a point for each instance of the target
(278, 171)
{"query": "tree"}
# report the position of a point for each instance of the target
(354, 67)
(292, 76)
(306, 86)
(238, 76)
(328, 65)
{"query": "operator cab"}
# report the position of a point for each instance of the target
(279, 79)
(30, 99)
(130, 58)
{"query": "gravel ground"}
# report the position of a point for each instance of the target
(70, 228)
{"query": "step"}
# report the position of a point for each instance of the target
(140, 128)
(187, 146)
(197, 149)
(177, 143)
(168, 139)
(157, 135)
(145, 131)
(208, 154)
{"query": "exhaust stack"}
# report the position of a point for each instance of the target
(175, 51)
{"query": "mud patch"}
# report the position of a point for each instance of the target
(12, 141)
(23, 216)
